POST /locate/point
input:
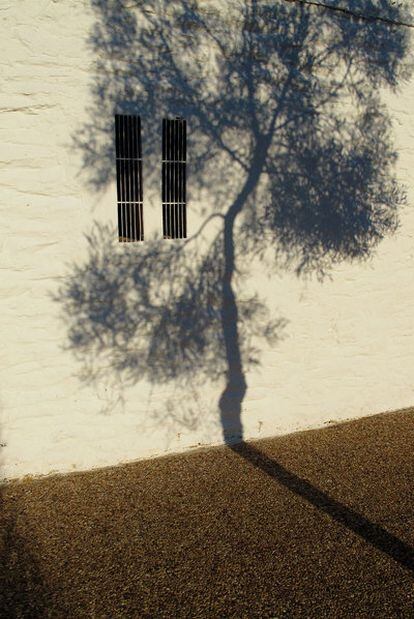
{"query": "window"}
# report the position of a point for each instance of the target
(174, 155)
(129, 177)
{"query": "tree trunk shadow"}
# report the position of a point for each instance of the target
(370, 532)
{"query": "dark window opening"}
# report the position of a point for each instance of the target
(129, 177)
(174, 156)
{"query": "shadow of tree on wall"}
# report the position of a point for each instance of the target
(289, 147)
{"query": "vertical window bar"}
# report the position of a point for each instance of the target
(185, 140)
(169, 196)
(128, 149)
(173, 178)
(184, 203)
(133, 181)
(170, 218)
(124, 178)
(136, 222)
(122, 197)
(180, 185)
(132, 231)
(131, 137)
(180, 188)
(121, 231)
(165, 157)
(175, 164)
(119, 218)
(139, 139)
(122, 140)
(172, 164)
(134, 137)
(164, 218)
(131, 168)
(127, 178)
(118, 167)
(185, 175)
(128, 137)
(176, 235)
(177, 176)
(130, 165)
(141, 196)
(128, 221)
(163, 176)
(167, 175)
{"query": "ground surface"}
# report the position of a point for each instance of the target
(315, 524)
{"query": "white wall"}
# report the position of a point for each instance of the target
(348, 344)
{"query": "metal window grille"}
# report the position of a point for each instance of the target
(174, 156)
(129, 177)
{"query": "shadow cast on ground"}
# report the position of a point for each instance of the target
(372, 533)
(210, 533)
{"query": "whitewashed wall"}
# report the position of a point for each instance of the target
(348, 344)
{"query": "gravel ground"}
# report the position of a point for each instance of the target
(314, 524)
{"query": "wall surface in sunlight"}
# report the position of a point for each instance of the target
(343, 345)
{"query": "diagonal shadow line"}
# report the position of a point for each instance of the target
(355, 522)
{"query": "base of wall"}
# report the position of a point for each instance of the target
(230, 440)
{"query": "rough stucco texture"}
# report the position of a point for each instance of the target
(348, 345)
